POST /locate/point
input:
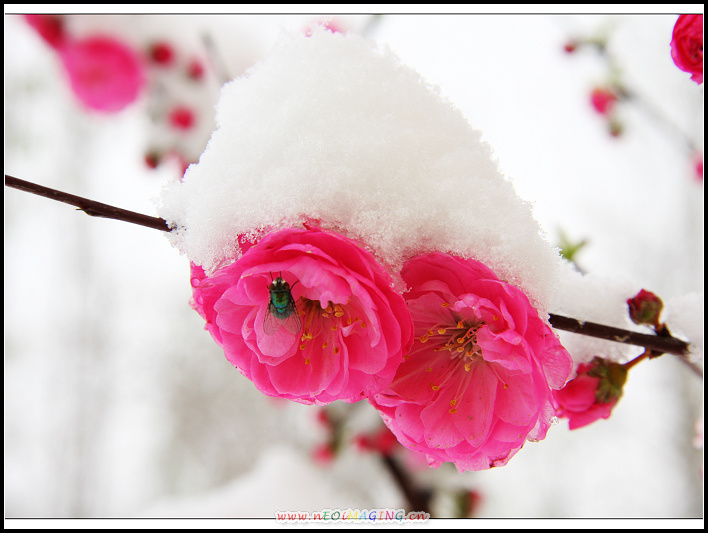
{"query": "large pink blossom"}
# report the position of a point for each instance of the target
(105, 74)
(477, 382)
(687, 45)
(353, 327)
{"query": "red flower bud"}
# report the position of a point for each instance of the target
(195, 70)
(181, 118)
(152, 159)
(570, 47)
(161, 53)
(645, 308)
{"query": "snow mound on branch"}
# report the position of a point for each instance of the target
(333, 128)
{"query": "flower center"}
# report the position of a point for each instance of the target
(460, 340)
(325, 325)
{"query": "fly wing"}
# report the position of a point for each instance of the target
(292, 323)
(289, 318)
(271, 323)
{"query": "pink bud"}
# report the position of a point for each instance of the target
(161, 53)
(645, 308)
(181, 118)
(195, 70)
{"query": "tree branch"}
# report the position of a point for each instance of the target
(90, 207)
(657, 343)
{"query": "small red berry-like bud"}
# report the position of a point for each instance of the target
(570, 46)
(181, 118)
(195, 70)
(645, 308)
(152, 159)
(161, 53)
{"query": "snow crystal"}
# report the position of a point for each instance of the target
(333, 128)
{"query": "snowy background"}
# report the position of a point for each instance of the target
(119, 404)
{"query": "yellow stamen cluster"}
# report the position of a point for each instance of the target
(460, 340)
(323, 322)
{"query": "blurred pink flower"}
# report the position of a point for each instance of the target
(381, 441)
(105, 74)
(698, 166)
(592, 394)
(687, 45)
(477, 382)
(352, 328)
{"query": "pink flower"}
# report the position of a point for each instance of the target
(477, 382)
(687, 45)
(603, 100)
(343, 340)
(592, 394)
(105, 74)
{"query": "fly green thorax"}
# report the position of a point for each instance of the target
(281, 309)
(280, 295)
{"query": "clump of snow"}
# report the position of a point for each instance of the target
(600, 299)
(334, 128)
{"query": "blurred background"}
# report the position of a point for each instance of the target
(119, 404)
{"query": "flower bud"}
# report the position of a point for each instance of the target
(645, 308)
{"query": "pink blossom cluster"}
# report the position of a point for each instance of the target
(460, 366)
(108, 71)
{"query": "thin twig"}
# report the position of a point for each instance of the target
(90, 207)
(652, 342)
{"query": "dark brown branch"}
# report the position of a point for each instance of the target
(657, 343)
(90, 207)
(652, 342)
